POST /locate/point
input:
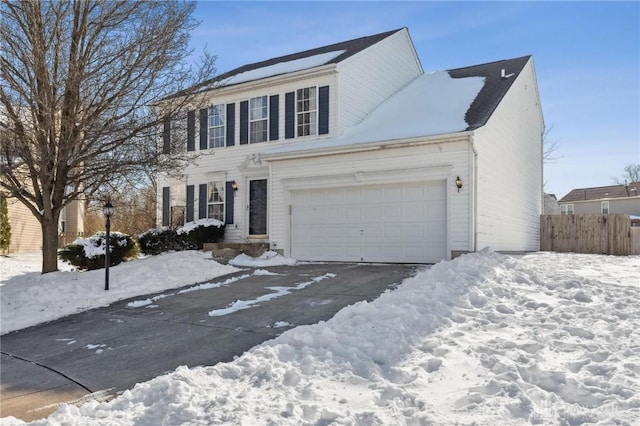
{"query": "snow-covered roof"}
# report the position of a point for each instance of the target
(284, 67)
(432, 104)
(330, 54)
(436, 103)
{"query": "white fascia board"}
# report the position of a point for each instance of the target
(371, 146)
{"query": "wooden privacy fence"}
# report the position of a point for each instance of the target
(589, 233)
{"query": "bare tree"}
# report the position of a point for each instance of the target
(631, 174)
(80, 81)
(549, 146)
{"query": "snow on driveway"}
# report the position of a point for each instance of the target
(484, 339)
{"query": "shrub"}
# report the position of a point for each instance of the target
(89, 253)
(191, 236)
(195, 234)
(156, 241)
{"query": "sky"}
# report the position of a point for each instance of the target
(586, 56)
(546, 338)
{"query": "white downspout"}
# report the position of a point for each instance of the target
(474, 195)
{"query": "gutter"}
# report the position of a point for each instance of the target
(365, 146)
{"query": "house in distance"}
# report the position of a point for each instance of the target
(351, 152)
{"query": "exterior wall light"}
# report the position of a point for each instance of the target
(108, 211)
(458, 183)
(234, 185)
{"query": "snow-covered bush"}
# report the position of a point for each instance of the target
(89, 253)
(195, 234)
(191, 236)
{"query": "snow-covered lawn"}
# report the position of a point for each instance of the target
(484, 339)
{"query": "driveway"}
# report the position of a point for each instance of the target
(102, 352)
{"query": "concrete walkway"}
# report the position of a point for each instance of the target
(102, 352)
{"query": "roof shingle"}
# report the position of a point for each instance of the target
(495, 86)
(602, 192)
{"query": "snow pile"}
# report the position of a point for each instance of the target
(190, 226)
(269, 258)
(32, 298)
(483, 339)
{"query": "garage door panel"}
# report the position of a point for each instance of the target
(383, 223)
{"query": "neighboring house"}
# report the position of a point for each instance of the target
(26, 233)
(351, 152)
(551, 205)
(613, 199)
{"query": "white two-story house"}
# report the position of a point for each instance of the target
(351, 152)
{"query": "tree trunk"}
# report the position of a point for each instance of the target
(49, 245)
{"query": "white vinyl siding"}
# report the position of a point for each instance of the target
(509, 164)
(370, 77)
(407, 165)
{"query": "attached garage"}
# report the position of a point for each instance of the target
(399, 222)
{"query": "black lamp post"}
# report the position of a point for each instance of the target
(108, 211)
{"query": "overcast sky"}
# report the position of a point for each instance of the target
(586, 54)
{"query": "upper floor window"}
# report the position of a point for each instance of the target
(216, 126)
(215, 201)
(258, 119)
(566, 208)
(306, 111)
(604, 207)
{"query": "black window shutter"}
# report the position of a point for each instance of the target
(191, 131)
(244, 122)
(231, 124)
(204, 126)
(274, 117)
(289, 115)
(323, 110)
(228, 202)
(166, 136)
(190, 202)
(202, 201)
(165, 206)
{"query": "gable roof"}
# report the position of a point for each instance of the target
(495, 86)
(330, 54)
(602, 192)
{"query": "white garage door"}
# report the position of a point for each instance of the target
(402, 223)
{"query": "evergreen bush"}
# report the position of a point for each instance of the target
(191, 236)
(156, 241)
(89, 253)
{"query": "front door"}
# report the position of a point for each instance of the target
(258, 207)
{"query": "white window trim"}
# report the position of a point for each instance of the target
(313, 131)
(221, 189)
(210, 142)
(265, 119)
(602, 207)
(566, 209)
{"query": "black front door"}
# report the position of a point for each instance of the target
(258, 207)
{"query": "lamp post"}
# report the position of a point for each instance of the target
(108, 211)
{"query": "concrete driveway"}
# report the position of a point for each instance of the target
(99, 353)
